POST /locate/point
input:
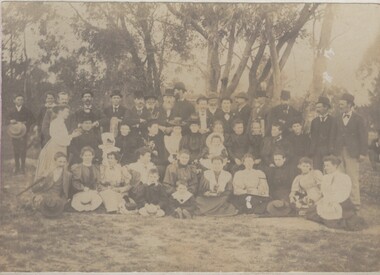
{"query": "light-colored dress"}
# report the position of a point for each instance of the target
(172, 145)
(59, 141)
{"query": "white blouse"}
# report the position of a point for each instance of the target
(336, 187)
(59, 133)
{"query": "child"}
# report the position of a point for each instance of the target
(108, 146)
(89, 137)
(114, 184)
(172, 141)
(156, 201)
(128, 141)
(193, 141)
(214, 148)
(183, 202)
(305, 190)
(300, 142)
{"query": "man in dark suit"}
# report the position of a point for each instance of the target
(243, 111)
(322, 133)
(20, 113)
(88, 109)
(260, 110)
(182, 107)
(213, 106)
(151, 104)
(48, 104)
(226, 116)
(114, 111)
(283, 113)
(351, 143)
(205, 122)
(165, 112)
(138, 116)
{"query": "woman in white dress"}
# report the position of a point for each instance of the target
(172, 141)
(60, 139)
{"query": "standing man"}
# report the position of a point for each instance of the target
(139, 114)
(49, 103)
(151, 104)
(283, 113)
(213, 106)
(182, 108)
(322, 133)
(351, 143)
(226, 116)
(114, 112)
(20, 119)
(204, 118)
(260, 110)
(62, 99)
(243, 111)
(88, 110)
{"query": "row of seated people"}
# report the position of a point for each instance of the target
(185, 192)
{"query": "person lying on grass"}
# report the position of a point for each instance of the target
(305, 190)
(52, 192)
(251, 191)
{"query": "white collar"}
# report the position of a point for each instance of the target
(18, 108)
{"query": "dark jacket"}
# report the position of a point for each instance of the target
(24, 115)
(183, 109)
(353, 136)
(109, 113)
(244, 115)
(322, 135)
(283, 114)
(226, 119)
(128, 145)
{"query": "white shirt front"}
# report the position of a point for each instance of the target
(203, 120)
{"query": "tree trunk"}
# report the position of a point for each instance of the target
(213, 67)
(252, 77)
(274, 58)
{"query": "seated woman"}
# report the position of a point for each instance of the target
(305, 190)
(251, 191)
(335, 208)
(52, 192)
(214, 191)
(114, 184)
(172, 141)
(86, 175)
(182, 171)
(215, 148)
(128, 141)
(193, 141)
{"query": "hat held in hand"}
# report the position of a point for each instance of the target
(52, 206)
(278, 208)
(86, 201)
(16, 130)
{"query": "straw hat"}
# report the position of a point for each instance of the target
(86, 201)
(16, 130)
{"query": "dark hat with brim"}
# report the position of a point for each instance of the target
(52, 206)
(348, 97)
(150, 96)
(279, 208)
(116, 93)
(212, 96)
(285, 95)
(138, 94)
(16, 130)
(260, 93)
(296, 120)
(324, 100)
(179, 86)
(193, 119)
(242, 95)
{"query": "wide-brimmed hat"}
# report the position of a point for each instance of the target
(16, 130)
(177, 121)
(210, 136)
(279, 208)
(329, 210)
(179, 86)
(348, 97)
(86, 201)
(324, 100)
(52, 206)
(242, 95)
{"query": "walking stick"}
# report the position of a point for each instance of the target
(30, 186)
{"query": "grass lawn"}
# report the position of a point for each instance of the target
(99, 242)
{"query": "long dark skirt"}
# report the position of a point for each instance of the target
(259, 204)
(349, 221)
(214, 206)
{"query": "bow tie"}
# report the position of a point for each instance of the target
(346, 115)
(87, 109)
(227, 116)
(323, 118)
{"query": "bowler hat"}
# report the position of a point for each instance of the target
(260, 93)
(179, 86)
(242, 95)
(278, 208)
(86, 201)
(285, 95)
(324, 100)
(348, 97)
(16, 130)
(52, 206)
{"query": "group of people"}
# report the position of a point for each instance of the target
(167, 156)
